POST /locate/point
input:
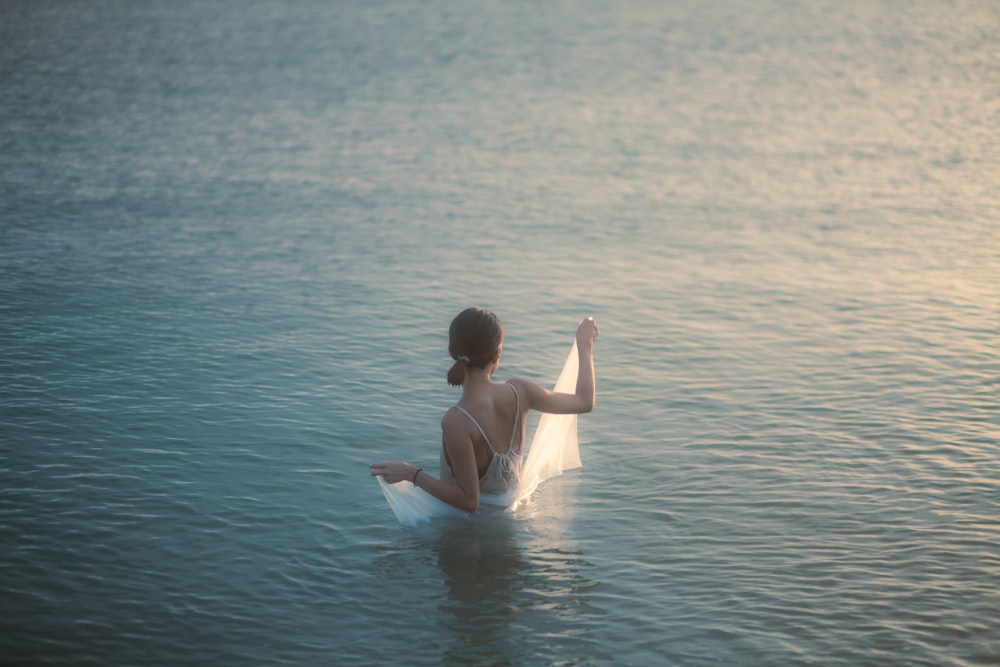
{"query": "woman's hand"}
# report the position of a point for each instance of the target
(394, 471)
(587, 332)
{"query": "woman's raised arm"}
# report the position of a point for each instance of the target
(539, 398)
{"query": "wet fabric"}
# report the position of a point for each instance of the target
(554, 449)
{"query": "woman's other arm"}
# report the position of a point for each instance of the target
(458, 442)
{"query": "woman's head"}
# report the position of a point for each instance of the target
(474, 340)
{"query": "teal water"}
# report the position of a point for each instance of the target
(232, 236)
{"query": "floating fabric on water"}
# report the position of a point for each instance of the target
(554, 449)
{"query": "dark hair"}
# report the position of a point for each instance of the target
(474, 339)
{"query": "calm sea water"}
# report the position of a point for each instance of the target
(233, 234)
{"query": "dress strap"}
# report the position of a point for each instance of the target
(517, 417)
(478, 425)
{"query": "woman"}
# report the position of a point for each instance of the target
(483, 434)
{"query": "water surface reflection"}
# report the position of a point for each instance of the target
(499, 588)
(517, 589)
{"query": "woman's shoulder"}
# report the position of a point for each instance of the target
(451, 416)
(522, 386)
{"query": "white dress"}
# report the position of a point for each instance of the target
(504, 469)
(506, 482)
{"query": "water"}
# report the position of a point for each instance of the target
(232, 236)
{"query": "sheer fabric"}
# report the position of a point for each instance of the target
(553, 450)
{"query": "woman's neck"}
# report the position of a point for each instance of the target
(476, 380)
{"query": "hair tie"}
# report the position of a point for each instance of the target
(462, 357)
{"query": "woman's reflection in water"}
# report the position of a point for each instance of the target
(484, 573)
(514, 591)
(513, 588)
